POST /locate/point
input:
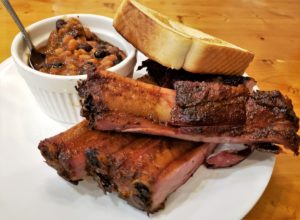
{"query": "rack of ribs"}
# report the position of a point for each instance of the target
(144, 170)
(203, 111)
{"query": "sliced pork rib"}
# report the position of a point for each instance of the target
(166, 77)
(65, 152)
(144, 170)
(228, 155)
(197, 111)
(148, 170)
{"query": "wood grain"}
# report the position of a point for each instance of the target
(270, 29)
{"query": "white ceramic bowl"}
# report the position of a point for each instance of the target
(56, 94)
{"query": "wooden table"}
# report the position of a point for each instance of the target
(271, 29)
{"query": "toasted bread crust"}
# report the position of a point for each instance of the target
(175, 45)
(151, 38)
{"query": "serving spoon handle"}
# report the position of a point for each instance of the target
(36, 58)
(13, 14)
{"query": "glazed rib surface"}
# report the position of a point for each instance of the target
(197, 111)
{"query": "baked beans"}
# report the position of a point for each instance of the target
(72, 49)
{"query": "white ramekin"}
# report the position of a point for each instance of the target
(56, 94)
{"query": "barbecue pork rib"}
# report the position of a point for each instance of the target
(148, 170)
(144, 170)
(166, 77)
(198, 111)
(65, 152)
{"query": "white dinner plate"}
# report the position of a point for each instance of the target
(29, 189)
